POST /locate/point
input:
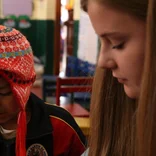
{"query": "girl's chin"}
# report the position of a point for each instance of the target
(131, 92)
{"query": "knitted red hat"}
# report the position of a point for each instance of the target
(17, 67)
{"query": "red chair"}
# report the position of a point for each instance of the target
(71, 85)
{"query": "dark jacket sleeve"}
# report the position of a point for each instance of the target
(68, 139)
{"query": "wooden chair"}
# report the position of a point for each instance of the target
(72, 85)
(48, 86)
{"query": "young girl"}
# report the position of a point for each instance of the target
(123, 107)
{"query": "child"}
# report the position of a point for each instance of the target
(38, 128)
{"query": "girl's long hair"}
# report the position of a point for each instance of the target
(112, 118)
(146, 114)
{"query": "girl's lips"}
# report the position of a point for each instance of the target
(121, 80)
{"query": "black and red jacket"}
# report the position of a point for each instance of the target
(51, 131)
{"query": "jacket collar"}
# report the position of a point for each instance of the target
(39, 123)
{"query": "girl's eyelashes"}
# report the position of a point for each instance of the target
(119, 46)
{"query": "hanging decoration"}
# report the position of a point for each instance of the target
(10, 21)
(70, 4)
(24, 22)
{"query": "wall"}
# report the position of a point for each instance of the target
(17, 7)
(76, 25)
(41, 32)
(86, 41)
(45, 11)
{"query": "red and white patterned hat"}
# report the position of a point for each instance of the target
(17, 67)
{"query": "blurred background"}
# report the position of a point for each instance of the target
(62, 38)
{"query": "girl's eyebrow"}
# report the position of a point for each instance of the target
(116, 35)
(113, 33)
(4, 86)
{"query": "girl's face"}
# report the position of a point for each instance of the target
(122, 45)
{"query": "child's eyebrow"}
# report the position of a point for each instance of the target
(4, 86)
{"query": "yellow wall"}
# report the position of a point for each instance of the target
(77, 10)
(1, 9)
(51, 8)
(40, 10)
(44, 10)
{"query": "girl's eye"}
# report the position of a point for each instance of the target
(119, 46)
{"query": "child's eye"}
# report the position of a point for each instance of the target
(119, 46)
(6, 94)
